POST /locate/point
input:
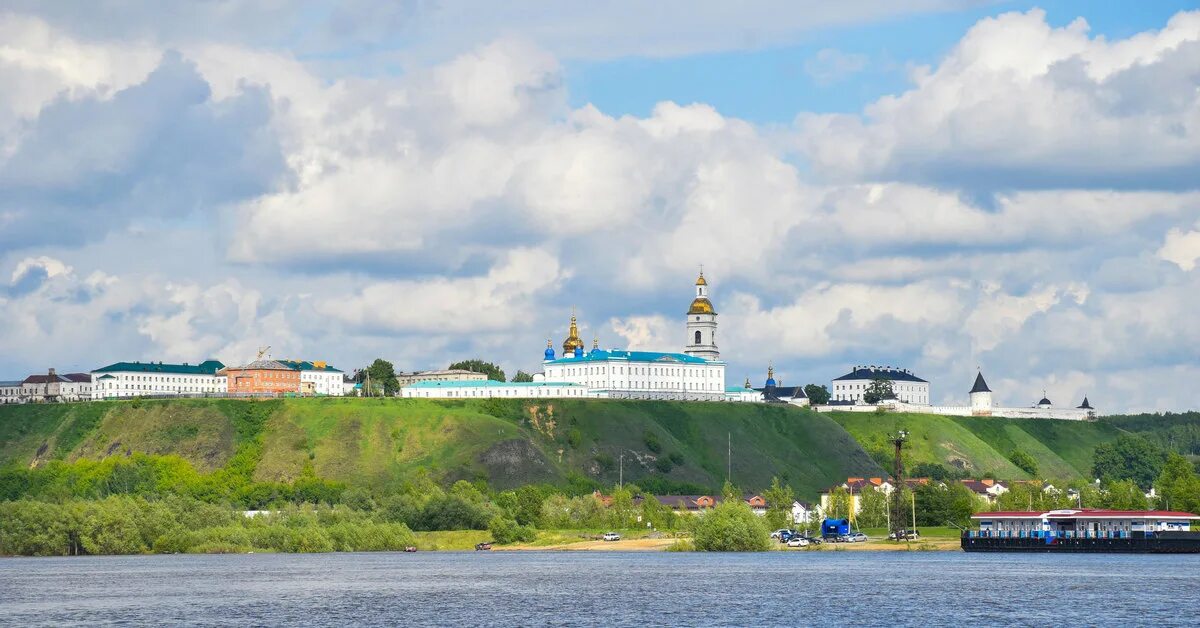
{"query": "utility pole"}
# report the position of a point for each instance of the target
(728, 456)
(621, 472)
(897, 510)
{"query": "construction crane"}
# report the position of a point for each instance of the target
(262, 351)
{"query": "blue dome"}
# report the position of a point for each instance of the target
(771, 381)
(549, 353)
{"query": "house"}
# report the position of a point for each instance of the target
(263, 376)
(986, 489)
(693, 504)
(141, 379)
(10, 392)
(803, 512)
(53, 387)
(855, 486)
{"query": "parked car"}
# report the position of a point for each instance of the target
(857, 537)
(778, 534)
(904, 535)
(479, 547)
(812, 540)
(797, 541)
(612, 536)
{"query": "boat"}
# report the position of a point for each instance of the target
(1085, 530)
(410, 549)
(482, 547)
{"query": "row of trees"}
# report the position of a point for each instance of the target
(378, 379)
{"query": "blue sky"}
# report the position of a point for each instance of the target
(934, 184)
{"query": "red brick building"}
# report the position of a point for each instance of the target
(262, 377)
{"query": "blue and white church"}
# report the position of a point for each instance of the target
(695, 374)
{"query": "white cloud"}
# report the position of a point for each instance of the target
(830, 65)
(1181, 248)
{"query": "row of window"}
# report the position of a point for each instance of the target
(643, 370)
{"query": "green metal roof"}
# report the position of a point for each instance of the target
(208, 367)
(307, 365)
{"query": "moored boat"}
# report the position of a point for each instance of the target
(1084, 530)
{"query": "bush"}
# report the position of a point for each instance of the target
(1024, 462)
(731, 527)
(574, 438)
(663, 464)
(652, 443)
(676, 458)
(505, 531)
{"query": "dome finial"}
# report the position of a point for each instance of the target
(572, 342)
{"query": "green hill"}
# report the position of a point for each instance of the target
(979, 445)
(376, 442)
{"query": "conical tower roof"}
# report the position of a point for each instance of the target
(980, 385)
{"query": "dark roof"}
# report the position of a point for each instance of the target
(79, 377)
(1045, 402)
(980, 385)
(307, 365)
(1085, 405)
(63, 379)
(786, 392)
(208, 367)
(880, 372)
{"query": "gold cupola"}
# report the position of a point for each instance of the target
(701, 304)
(573, 341)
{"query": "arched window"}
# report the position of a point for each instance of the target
(697, 338)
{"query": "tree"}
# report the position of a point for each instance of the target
(731, 527)
(1024, 462)
(522, 376)
(839, 504)
(1128, 457)
(872, 508)
(1178, 485)
(382, 375)
(779, 505)
(1124, 495)
(492, 371)
(817, 395)
(878, 390)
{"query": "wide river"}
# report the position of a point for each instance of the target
(604, 588)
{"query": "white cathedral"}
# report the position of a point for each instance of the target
(696, 374)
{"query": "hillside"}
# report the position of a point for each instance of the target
(1063, 449)
(377, 442)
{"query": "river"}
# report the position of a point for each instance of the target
(603, 588)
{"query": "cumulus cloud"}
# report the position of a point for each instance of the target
(1181, 248)
(1018, 103)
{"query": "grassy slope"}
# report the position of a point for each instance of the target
(1063, 449)
(376, 442)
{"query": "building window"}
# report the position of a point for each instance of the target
(697, 337)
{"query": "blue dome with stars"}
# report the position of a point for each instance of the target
(549, 350)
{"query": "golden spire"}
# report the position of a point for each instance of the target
(595, 343)
(701, 281)
(747, 383)
(770, 371)
(572, 342)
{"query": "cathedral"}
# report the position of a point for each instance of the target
(694, 374)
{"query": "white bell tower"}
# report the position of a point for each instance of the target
(702, 324)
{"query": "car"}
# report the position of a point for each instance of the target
(812, 540)
(483, 547)
(612, 536)
(904, 535)
(778, 534)
(797, 541)
(857, 537)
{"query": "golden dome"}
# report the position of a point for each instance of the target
(572, 342)
(701, 281)
(701, 305)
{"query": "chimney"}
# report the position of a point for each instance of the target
(51, 373)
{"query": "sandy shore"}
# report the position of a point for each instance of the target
(624, 545)
(653, 545)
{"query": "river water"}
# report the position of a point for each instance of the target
(603, 588)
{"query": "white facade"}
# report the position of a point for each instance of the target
(54, 387)
(139, 379)
(621, 374)
(10, 392)
(488, 389)
(447, 375)
(908, 388)
(317, 378)
(701, 325)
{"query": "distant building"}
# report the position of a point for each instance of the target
(317, 378)
(10, 392)
(262, 376)
(53, 387)
(447, 375)
(772, 392)
(907, 387)
(140, 379)
(487, 389)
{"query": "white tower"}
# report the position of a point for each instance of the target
(702, 324)
(981, 397)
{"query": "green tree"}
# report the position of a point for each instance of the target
(731, 527)
(939, 505)
(872, 508)
(779, 505)
(522, 376)
(1124, 495)
(505, 531)
(1178, 485)
(838, 506)
(1128, 457)
(1024, 462)
(878, 390)
(492, 371)
(382, 377)
(817, 395)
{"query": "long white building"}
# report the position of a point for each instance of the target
(317, 377)
(907, 387)
(139, 379)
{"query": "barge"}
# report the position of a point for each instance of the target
(1085, 530)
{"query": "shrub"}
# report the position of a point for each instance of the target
(505, 531)
(1024, 462)
(652, 442)
(574, 438)
(663, 464)
(731, 527)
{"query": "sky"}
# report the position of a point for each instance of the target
(938, 185)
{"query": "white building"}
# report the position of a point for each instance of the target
(10, 392)
(139, 379)
(772, 392)
(487, 389)
(908, 388)
(981, 405)
(318, 378)
(445, 375)
(697, 374)
(53, 387)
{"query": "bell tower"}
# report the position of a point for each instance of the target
(702, 324)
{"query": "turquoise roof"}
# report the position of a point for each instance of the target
(487, 383)
(604, 355)
(739, 389)
(208, 367)
(307, 365)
